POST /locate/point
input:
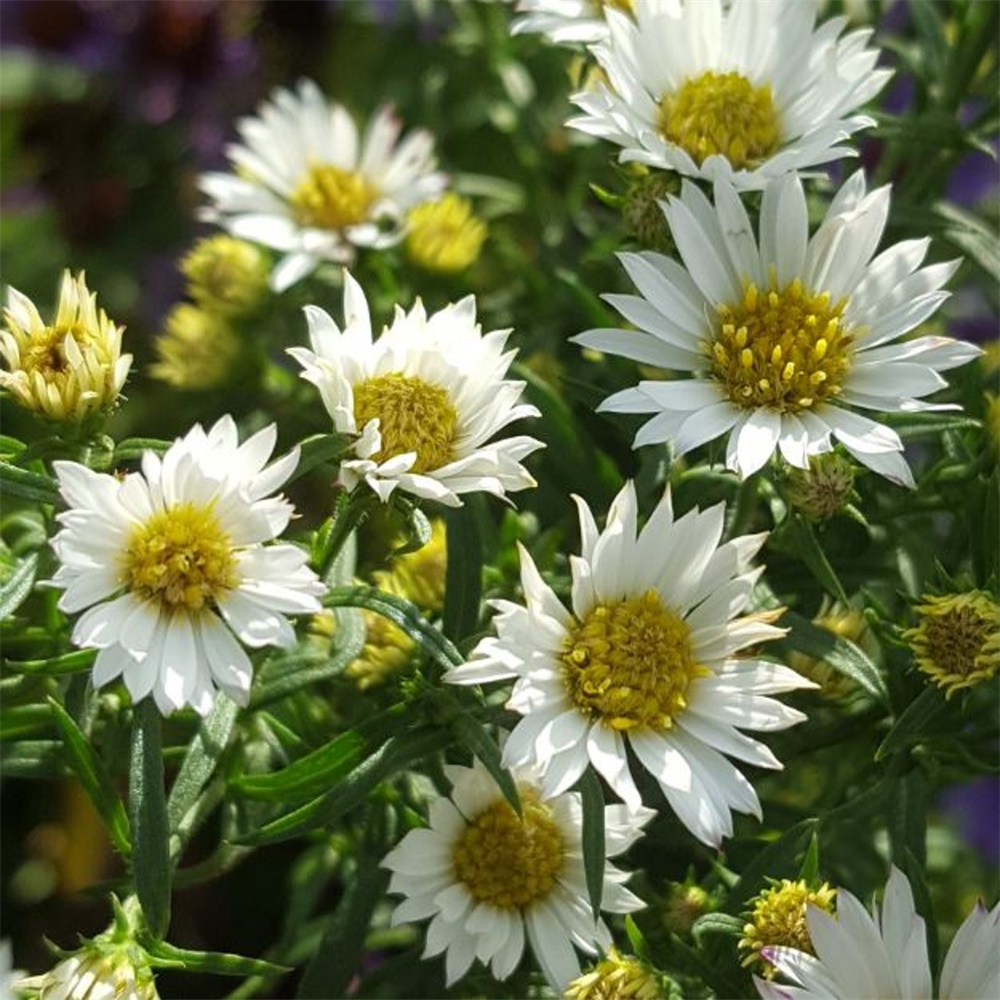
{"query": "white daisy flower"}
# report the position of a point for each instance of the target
(163, 558)
(884, 956)
(486, 877)
(782, 335)
(747, 90)
(305, 183)
(424, 399)
(645, 657)
(566, 22)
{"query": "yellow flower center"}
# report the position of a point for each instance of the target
(331, 198)
(616, 977)
(628, 6)
(786, 349)
(721, 113)
(180, 558)
(779, 918)
(444, 235)
(958, 639)
(413, 416)
(45, 352)
(510, 861)
(629, 663)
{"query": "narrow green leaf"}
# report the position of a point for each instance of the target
(635, 938)
(809, 550)
(23, 720)
(341, 948)
(317, 450)
(34, 759)
(906, 817)
(917, 425)
(842, 654)
(135, 447)
(594, 856)
(397, 754)
(402, 613)
(15, 591)
(204, 752)
(95, 778)
(18, 482)
(717, 923)
(473, 736)
(777, 860)
(913, 722)
(68, 663)
(148, 811)
(809, 872)
(464, 578)
(214, 962)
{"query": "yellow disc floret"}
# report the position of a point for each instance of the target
(226, 275)
(957, 641)
(444, 235)
(331, 198)
(413, 416)
(628, 663)
(181, 558)
(616, 977)
(778, 917)
(198, 349)
(724, 114)
(787, 349)
(509, 861)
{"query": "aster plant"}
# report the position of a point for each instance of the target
(540, 540)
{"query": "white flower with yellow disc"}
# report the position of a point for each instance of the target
(424, 400)
(171, 562)
(306, 184)
(746, 91)
(488, 878)
(785, 334)
(645, 658)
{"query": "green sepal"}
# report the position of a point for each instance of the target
(95, 778)
(717, 923)
(167, 956)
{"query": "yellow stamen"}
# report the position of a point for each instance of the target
(331, 198)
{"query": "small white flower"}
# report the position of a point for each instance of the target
(782, 335)
(487, 878)
(98, 971)
(566, 22)
(308, 186)
(884, 956)
(746, 91)
(645, 657)
(425, 399)
(164, 557)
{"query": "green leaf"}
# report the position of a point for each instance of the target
(148, 811)
(777, 860)
(808, 549)
(318, 450)
(18, 482)
(594, 855)
(68, 663)
(717, 923)
(472, 734)
(842, 654)
(635, 938)
(203, 755)
(94, 777)
(417, 528)
(933, 425)
(906, 817)
(913, 722)
(15, 591)
(132, 448)
(23, 720)
(464, 578)
(34, 759)
(398, 753)
(214, 962)
(341, 948)
(809, 872)
(402, 613)
(922, 901)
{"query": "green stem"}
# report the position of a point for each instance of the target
(350, 515)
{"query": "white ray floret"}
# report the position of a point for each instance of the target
(565, 22)
(745, 91)
(172, 568)
(306, 184)
(487, 879)
(786, 335)
(423, 401)
(883, 955)
(645, 657)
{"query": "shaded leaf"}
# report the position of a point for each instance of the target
(913, 722)
(776, 860)
(473, 735)
(464, 578)
(594, 854)
(15, 590)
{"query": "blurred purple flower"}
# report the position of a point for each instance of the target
(975, 809)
